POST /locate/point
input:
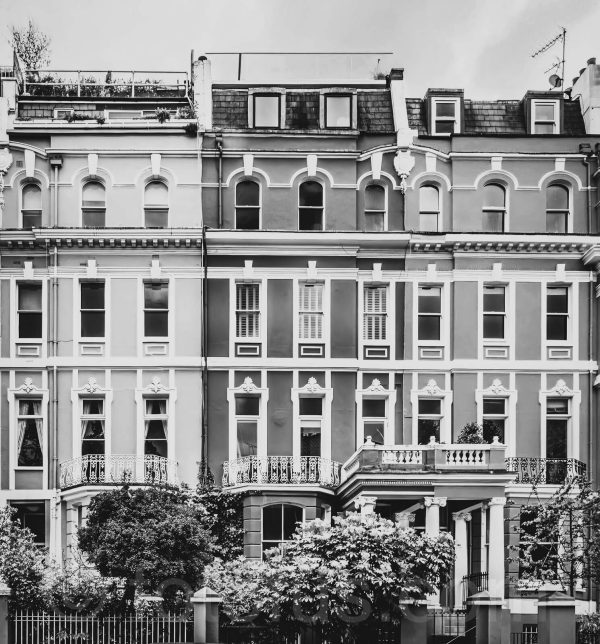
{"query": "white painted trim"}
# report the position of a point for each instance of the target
(557, 175)
(248, 386)
(444, 341)
(510, 316)
(431, 176)
(490, 175)
(561, 390)
(378, 392)
(364, 281)
(510, 394)
(255, 171)
(14, 326)
(312, 390)
(156, 389)
(432, 390)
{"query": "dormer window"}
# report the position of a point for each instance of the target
(338, 110)
(544, 117)
(267, 110)
(445, 115)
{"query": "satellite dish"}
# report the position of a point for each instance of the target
(555, 80)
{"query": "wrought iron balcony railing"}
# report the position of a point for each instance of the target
(117, 469)
(282, 470)
(551, 471)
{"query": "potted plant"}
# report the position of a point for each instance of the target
(162, 114)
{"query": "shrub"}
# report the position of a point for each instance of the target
(471, 433)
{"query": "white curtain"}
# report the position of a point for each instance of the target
(156, 408)
(30, 408)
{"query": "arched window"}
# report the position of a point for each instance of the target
(279, 524)
(93, 205)
(374, 208)
(156, 205)
(494, 208)
(31, 210)
(557, 208)
(429, 209)
(247, 205)
(310, 206)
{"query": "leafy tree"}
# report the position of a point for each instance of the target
(31, 45)
(475, 434)
(224, 519)
(560, 537)
(345, 579)
(147, 536)
(21, 561)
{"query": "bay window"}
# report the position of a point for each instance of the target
(279, 524)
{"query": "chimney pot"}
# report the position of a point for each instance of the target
(397, 73)
(591, 61)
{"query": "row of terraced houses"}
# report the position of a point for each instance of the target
(304, 289)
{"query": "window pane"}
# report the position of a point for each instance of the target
(444, 127)
(291, 516)
(247, 439)
(429, 222)
(92, 324)
(556, 327)
(426, 429)
(311, 406)
(374, 198)
(557, 198)
(557, 406)
(556, 438)
(156, 406)
(156, 217)
(156, 323)
(266, 111)
(429, 327)
(156, 430)
(156, 295)
(93, 218)
(92, 295)
(272, 522)
(429, 199)
(32, 516)
(430, 299)
(493, 196)
(30, 454)
(92, 447)
(493, 326)
(494, 406)
(156, 447)
(32, 219)
(30, 297)
(93, 194)
(557, 300)
(445, 109)
(247, 218)
(544, 128)
(311, 194)
(373, 408)
(247, 405)
(375, 431)
(544, 111)
(374, 222)
(247, 193)
(432, 406)
(32, 197)
(493, 298)
(94, 429)
(93, 407)
(556, 222)
(337, 109)
(30, 325)
(310, 219)
(493, 427)
(156, 194)
(310, 441)
(493, 222)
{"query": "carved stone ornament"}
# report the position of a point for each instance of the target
(404, 162)
(248, 385)
(91, 386)
(496, 388)
(156, 385)
(432, 389)
(28, 386)
(375, 386)
(561, 389)
(312, 386)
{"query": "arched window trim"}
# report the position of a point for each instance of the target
(569, 212)
(97, 209)
(26, 183)
(319, 182)
(431, 184)
(494, 209)
(246, 179)
(377, 184)
(153, 209)
(282, 505)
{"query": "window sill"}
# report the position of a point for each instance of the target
(29, 468)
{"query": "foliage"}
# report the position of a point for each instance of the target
(31, 45)
(21, 561)
(588, 628)
(344, 578)
(471, 433)
(224, 519)
(162, 115)
(560, 537)
(147, 536)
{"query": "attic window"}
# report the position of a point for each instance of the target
(544, 115)
(338, 111)
(446, 115)
(267, 110)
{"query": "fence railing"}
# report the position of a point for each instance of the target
(474, 583)
(287, 470)
(553, 471)
(523, 638)
(103, 83)
(98, 469)
(28, 627)
(446, 622)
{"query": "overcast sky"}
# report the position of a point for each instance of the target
(483, 46)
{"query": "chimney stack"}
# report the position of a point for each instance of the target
(586, 87)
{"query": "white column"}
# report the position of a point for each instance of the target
(404, 519)
(432, 528)
(497, 555)
(484, 546)
(461, 564)
(366, 505)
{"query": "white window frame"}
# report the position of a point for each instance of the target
(259, 207)
(91, 346)
(276, 92)
(510, 395)
(15, 394)
(457, 115)
(561, 390)
(432, 390)
(326, 316)
(89, 391)
(352, 93)
(443, 342)
(25, 184)
(384, 212)
(164, 182)
(312, 389)
(385, 314)
(508, 342)
(505, 211)
(283, 502)
(555, 122)
(99, 180)
(38, 345)
(437, 212)
(157, 345)
(247, 387)
(572, 341)
(376, 391)
(156, 389)
(569, 188)
(308, 179)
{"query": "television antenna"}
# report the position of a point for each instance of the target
(556, 79)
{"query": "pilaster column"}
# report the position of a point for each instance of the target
(404, 519)
(366, 505)
(461, 564)
(497, 556)
(432, 528)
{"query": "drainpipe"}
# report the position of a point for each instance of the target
(219, 143)
(204, 437)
